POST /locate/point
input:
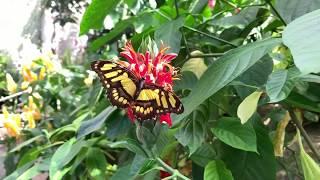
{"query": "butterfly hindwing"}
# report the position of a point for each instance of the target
(120, 83)
(153, 100)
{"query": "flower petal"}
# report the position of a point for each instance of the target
(165, 118)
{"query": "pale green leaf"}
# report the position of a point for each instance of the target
(248, 106)
(302, 37)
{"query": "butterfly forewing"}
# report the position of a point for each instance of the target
(119, 82)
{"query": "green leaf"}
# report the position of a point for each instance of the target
(248, 106)
(170, 35)
(311, 170)
(216, 170)
(95, 123)
(223, 71)
(300, 101)
(279, 85)
(95, 13)
(29, 156)
(118, 29)
(192, 133)
(25, 143)
(195, 65)
(249, 165)
(302, 37)
(131, 145)
(203, 155)
(292, 9)
(18, 172)
(123, 173)
(230, 131)
(63, 155)
(96, 163)
(35, 170)
(187, 81)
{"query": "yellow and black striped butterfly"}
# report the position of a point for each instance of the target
(125, 89)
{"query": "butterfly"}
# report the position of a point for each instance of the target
(125, 89)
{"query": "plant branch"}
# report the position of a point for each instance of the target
(29, 90)
(275, 11)
(210, 36)
(207, 55)
(174, 172)
(304, 133)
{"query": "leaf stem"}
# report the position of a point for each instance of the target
(210, 36)
(275, 11)
(174, 172)
(304, 133)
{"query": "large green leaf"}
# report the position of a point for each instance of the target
(292, 9)
(96, 163)
(297, 100)
(95, 123)
(95, 13)
(311, 170)
(222, 72)
(204, 154)
(249, 165)
(302, 37)
(169, 34)
(230, 131)
(216, 170)
(118, 29)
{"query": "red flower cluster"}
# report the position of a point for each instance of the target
(154, 68)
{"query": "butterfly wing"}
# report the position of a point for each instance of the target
(153, 100)
(120, 83)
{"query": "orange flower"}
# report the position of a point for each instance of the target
(28, 75)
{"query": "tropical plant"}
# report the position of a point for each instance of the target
(249, 82)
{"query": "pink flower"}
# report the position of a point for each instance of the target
(211, 3)
(154, 68)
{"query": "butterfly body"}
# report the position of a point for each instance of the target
(125, 89)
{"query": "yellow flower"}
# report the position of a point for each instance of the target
(24, 85)
(11, 84)
(42, 73)
(33, 109)
(12, 122)
(88, 81)
(28, 75)
(30, 119)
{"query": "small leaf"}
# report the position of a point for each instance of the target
(170, 35)
(278, 139)
(230, 131)
(248, 106)
(302, 37)
(95, 123)
(311, 169)
(216, 170)
(95, 13)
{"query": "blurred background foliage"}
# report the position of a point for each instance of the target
(249, 83)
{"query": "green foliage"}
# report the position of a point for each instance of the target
(240, 67)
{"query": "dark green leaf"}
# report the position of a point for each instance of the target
(292, 9)
(96, 163)
(122, 173)
(95, 13)
(304, 48)
(95, 123)
(250, 165)
(241, 136)
(216, 170)
(130, 144)
(203, 155)
(170, 35)
(118, 29)
(222, 72)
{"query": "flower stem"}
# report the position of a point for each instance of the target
(174, 172)
(16, 95)
(304, 133)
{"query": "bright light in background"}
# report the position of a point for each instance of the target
(14, 15)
